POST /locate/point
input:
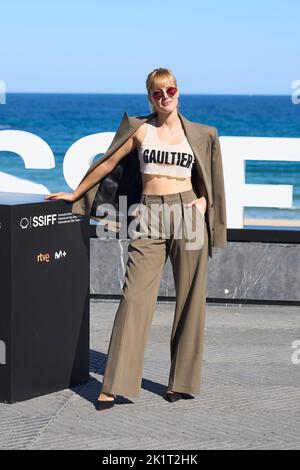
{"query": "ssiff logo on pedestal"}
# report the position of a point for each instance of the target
(38, 221)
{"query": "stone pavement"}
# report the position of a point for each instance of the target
(250, 395)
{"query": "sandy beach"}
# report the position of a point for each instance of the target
(274, 222)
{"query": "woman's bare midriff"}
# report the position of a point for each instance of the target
(163, 185)
(160, 185)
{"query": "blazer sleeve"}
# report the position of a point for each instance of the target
(219, 199)
(84, 204)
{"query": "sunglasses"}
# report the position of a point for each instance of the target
(171, 91)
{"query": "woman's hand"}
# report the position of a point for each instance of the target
(65, 196)
(200, 202)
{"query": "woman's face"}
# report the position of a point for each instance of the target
(166, 102)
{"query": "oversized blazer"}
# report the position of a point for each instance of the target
(126, 178)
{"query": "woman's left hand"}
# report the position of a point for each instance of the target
(200, 202)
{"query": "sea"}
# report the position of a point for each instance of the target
(61, 119)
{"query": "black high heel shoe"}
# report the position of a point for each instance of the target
(105, 404)
(174, 396)
(187, 396)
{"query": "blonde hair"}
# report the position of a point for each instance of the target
(158, 78)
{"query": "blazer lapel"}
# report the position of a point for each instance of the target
(198, 143)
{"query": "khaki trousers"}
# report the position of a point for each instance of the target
(146, 259)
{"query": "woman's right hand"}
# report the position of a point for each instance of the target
(65, 196)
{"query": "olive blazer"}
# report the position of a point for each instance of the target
(126, 178)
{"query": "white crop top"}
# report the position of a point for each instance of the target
(171, 160)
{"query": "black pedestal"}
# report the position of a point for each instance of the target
(44, 310)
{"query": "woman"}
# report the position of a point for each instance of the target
(180, 165)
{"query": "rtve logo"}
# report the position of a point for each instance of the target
(38, 221)
(46, 257)
(43, 258)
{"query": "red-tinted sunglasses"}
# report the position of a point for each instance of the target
(171, 91)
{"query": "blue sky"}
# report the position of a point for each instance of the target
(212, 46)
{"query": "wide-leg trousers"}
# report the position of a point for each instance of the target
(147, 255)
